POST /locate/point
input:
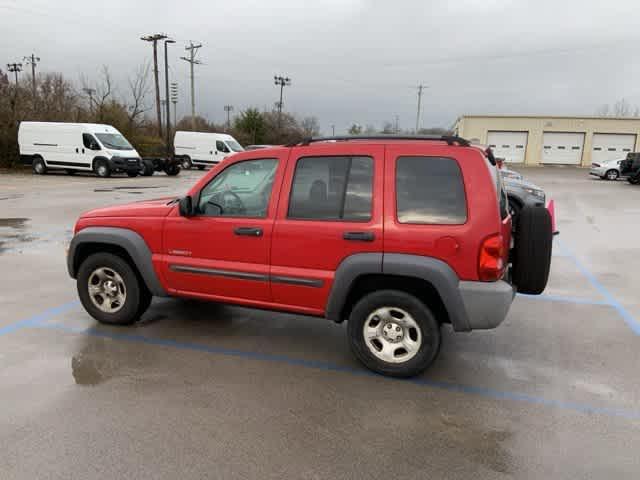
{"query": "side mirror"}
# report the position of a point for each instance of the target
(186, 206)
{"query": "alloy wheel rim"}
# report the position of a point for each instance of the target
(107, 290)
(392, 335)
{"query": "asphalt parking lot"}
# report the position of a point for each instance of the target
(208, 391)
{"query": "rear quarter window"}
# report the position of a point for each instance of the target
(430, 190)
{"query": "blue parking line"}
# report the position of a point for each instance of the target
(611, 300)
(330, 367)
(564, 299)
(39, 318)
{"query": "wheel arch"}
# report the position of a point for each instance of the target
(120, 241)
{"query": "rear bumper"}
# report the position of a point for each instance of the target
(486, 303)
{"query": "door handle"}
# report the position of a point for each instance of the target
(359, 236)
(76, 150)
(83, 150)
(248, 231)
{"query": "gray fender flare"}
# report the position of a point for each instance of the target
(432, 270)
(127, 239)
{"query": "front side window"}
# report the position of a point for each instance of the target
(90, 142)
(430, 190)
(240, 190)
(332, 188)
(221, 147)
(114, 141)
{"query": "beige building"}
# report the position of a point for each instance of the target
(536, 140)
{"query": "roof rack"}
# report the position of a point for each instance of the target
(450, 139)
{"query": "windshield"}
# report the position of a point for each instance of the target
(114, 141)
(233, 145)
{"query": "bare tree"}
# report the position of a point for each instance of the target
(622, 108)
(310, 127)
(102, 92)
(138, 89)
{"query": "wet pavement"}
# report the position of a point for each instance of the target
(200, 390)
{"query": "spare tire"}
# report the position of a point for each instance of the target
(533, 241)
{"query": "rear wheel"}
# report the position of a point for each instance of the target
(110, 291)
(612, 174)
(393, 333)
(532, 250)
(172, 169)
(38, 165)
(147, 169)
(101, 168)
(633, 180)
(186, 163)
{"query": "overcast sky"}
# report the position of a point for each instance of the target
(351, 60)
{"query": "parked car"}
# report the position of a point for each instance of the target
(521, 193)
(609, 170)
(398, 236)
(203, 149)
(75, 147)
(630, 167)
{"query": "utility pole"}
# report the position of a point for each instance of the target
(166, 95)
(192, 49)
(282, 82)
(174, 100)
(333, 130)
(420, 88)
(154, 39)
(15, 68)
(90, 92)
(228, 109)
(33, 61)
(397, 130)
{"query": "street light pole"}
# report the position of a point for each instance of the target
(282, 82)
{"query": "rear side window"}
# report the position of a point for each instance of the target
(430, 190)
(332, 188)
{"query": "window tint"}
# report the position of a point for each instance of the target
(430, 190)
(89, 141)
(221, 147)
(240, 190)
(332, 188)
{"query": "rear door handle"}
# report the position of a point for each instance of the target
(248, 231)
(76, 150)
(359, 236)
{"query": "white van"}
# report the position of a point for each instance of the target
(76, 147)
(202, 149)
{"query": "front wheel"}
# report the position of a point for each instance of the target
(172, 169)
(39, 167)
(110, 291)
(102, 169)
(393, 333)
(612, 174)
(186, 163)
(147, 169)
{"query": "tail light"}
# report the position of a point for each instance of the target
(492, 261)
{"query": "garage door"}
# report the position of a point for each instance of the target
(508, 145)
(611, 146)
(562, 148)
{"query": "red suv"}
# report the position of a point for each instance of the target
(396, 235)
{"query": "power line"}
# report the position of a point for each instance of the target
(154, 39)
(192, 49)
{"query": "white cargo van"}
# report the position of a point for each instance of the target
(204, 149)
(76, 147)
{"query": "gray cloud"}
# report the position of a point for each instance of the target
(352, 60)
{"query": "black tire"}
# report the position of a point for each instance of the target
(611, 174)
(132, 173)
(147, 169)
(38, 166)
(101, 168)
(70, 171)
(431, 337)
(172, 169)
(137, 298)
(200, 167)
(186, 163)
(633, 180)
(532, 250)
